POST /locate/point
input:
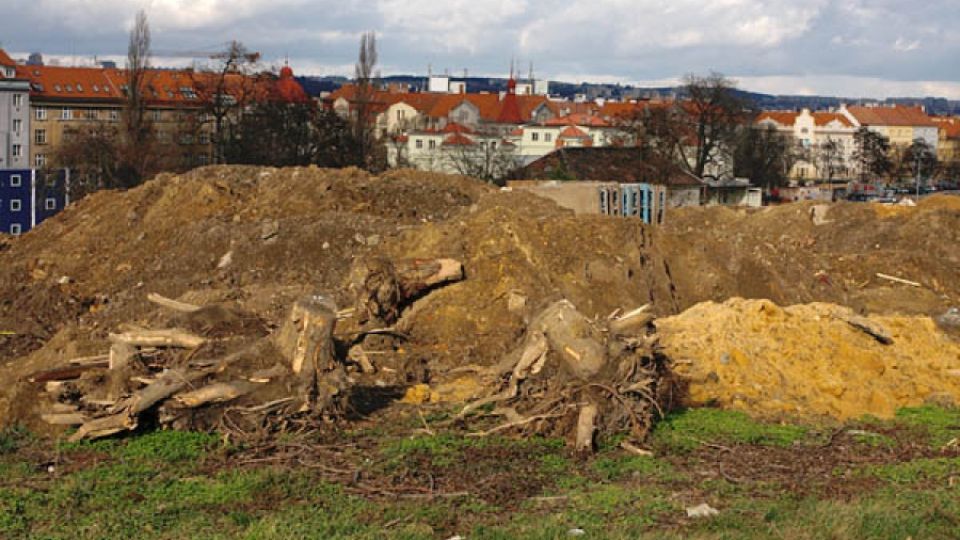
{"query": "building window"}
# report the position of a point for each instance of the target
(203, 159)
(433, 144)
(18, 100)
(14, 205)
(91, 114)
(15, 180)
(66, 113)
(534, 136)
(493, 145)
(419, 143)
(41, 113)
(40, 160)
(204, 138)
(40, 136)
(156, 116)
(17, 150)
(114, 115)
(547, 137)
(50, 204)
(15, 229)
(17, 125)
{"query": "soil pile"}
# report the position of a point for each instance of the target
(804, 252)
(249, 242)
(256, 240)
(813, 359)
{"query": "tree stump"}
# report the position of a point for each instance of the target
(306, 341)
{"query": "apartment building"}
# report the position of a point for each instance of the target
(14, 116)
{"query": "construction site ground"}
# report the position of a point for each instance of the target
(811, 386)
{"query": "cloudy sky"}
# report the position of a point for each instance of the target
(870, 48)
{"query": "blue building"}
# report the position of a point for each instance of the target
(29, 196)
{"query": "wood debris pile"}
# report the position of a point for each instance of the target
(176, 379)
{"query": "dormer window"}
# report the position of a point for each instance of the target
(57, 88)
(96, 88)
(79, 87)
(69, 88)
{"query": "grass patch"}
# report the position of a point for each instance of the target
(917, 471)
(612, 468)
(684, 431)
(941, 425)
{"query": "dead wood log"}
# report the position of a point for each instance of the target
(359, 356)
(104, 427)
(631, 323)
(67, 373)
(120, 355)
(306, 341)
(586, 427)
(64, 419)
(172, 337)
(574, 337)
(382, 287)
(214, 393)
(170, 303)
(97, 360)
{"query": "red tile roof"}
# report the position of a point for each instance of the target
(457, 140)
(577, 119)
(784, 118)
(898, 115)
(161, 87)
(434, 105)
(454, 127)
(5, 59)
(949, 125)
(824, 118)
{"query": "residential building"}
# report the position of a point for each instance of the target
(810, 131)
(948, 145)
(14, 116)
(28, 196)
(182, 106)
(900, 124)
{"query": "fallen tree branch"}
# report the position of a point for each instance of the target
(173, 337)
(170, 303)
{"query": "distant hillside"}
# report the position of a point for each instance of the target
(316, 85)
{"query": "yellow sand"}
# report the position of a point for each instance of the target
(754, 356)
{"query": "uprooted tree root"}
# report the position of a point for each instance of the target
(574, 378)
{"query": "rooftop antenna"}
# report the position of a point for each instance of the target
(464, 73)
(531, 72)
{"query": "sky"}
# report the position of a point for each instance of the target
(850, 48)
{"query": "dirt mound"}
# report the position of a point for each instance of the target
(259, 239)
(804, 252)
(813, 359)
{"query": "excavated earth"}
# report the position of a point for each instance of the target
(258, 239)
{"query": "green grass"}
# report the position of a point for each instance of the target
(167, 485)
(684, 431)
(941, 425)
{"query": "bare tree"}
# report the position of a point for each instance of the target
(92, 155)
(137, 133)
(225, 91)
(365, 76)
(764, 155)
(712, 115)
(486, 157)
(828, 158)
